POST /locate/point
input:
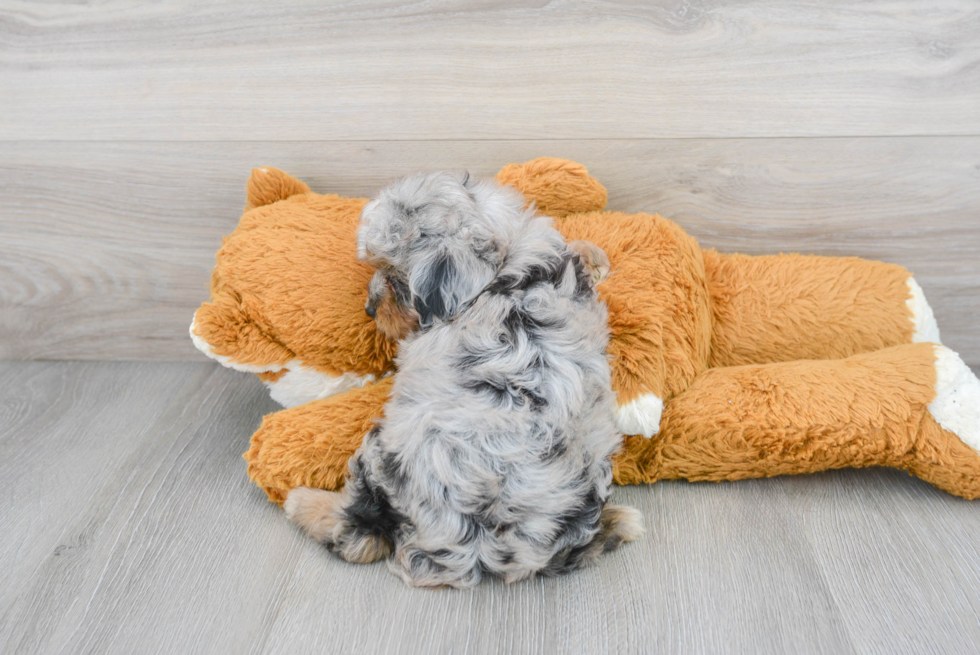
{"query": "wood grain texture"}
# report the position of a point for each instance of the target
(480, 69)
(129, 525)
(867, 534)
(106, 248)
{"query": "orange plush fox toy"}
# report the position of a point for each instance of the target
(725, 366)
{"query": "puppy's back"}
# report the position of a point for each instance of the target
(503, 421)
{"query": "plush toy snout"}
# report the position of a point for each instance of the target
(224, 330)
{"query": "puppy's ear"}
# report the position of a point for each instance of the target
(442, 288)
(429, 291)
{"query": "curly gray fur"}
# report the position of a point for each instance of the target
(494, 455)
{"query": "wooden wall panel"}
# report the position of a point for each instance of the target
(485, 69)
(106, 248)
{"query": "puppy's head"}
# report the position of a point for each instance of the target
(436, 240)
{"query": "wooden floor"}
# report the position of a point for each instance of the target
(129, 526)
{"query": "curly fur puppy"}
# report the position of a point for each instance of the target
(494, 453)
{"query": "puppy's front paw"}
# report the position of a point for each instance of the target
(317, 511)
(640, 416)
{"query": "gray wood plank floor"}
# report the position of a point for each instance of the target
(128, 525)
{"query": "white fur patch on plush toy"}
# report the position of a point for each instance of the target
(640, 416)
(957, 403)
(926, 329)
(298, 385)
(302, 384)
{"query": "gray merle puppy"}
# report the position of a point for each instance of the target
(494, 456)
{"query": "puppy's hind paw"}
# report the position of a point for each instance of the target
(619, 524)
(318, 512)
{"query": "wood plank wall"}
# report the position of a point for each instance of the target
(127, 131)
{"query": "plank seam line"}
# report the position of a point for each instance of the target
(499, 140)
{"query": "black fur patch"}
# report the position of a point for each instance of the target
(474, 528)
(498, 391)
(569, 559)
(392, 470)
(515, 322)
(407, 210)
(508, 284)
(422, 559)
(536, 401)
(431, 303)
(518, 320)
(559, 448)
(582, 519)
(501, 528)
(505, 394)
(472, 359)
(612, 543)
(546, 273)
(371, 513)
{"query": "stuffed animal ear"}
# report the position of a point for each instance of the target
(267, 185)
(558, 187)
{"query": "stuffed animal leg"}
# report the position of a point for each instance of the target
(780, 308)
(309, 445)
(914, 407)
